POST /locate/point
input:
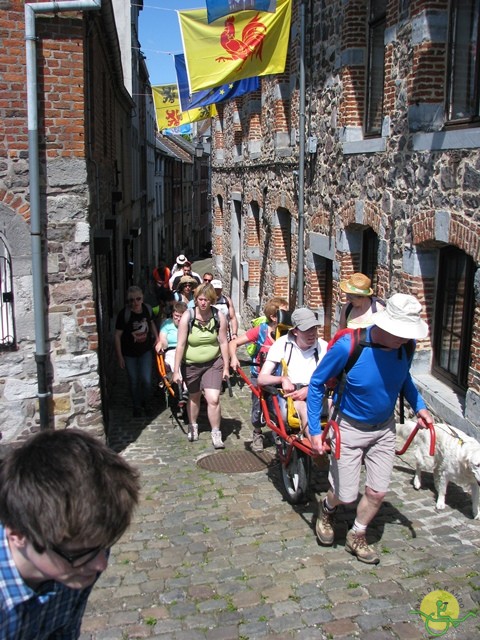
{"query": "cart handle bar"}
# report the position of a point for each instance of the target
(163, 373)
(433, 438)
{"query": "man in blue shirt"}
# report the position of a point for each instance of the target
(65, 498)
(364, 409)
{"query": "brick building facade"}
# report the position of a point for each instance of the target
(391, 178)
(90, 210)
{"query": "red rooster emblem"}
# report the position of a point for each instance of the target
(251, 43)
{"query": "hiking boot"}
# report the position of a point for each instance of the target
(357, 545)
(217, 439)
(257, 440)
(192, 434)
(324, 526)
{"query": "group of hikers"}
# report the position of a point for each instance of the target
(355, 379)
(55, 527)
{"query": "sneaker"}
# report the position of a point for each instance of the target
(192, 434)
(324, 526)
(217, 439)
(357, 545)
(257, 440)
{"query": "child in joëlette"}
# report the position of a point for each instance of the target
(65, 498)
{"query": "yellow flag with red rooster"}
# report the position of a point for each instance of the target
(242, 45)
(168, 112)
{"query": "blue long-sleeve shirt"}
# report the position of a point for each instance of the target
(372, 384)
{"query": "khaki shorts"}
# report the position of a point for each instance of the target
(208, 375)
(374, 445)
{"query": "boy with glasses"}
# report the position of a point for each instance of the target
(65, 499)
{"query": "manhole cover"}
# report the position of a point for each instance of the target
(236, 461)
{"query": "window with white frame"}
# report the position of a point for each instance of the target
(7, 321)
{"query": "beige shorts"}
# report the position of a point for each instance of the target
(375, 446)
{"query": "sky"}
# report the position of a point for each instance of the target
(159, 35)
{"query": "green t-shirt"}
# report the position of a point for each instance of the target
(202, 343)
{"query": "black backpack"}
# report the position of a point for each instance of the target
(191, 319)
(373, 305)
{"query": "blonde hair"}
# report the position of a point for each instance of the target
(205, 290)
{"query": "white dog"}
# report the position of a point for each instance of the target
(457, 458)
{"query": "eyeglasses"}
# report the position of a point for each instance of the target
(81, 558)
(135, 299)
(207, 279)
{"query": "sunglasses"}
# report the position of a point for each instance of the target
(135, 299)
(207, 279)
(79, 559)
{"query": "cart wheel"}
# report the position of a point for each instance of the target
(296, 477)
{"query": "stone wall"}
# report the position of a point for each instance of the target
(78, 157)
(416, 186)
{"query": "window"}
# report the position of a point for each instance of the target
(369, 256)
(463, 62)
(7, 323)
(375, 68)
(453, 317)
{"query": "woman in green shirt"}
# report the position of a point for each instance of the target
(202, 356)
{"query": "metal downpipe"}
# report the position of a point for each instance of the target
(301, 163)
(38, 275)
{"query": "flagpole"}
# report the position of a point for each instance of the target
(301, 160)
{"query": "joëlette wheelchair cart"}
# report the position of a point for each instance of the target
(293, 447)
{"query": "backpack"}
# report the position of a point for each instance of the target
(357, 343)
(128, 312)
(223, 300)
(373, 305)
(254, 347)
(191, 318)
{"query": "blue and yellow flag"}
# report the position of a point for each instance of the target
(244, 45)
(219, 8)
(209, 96)
(168, 112)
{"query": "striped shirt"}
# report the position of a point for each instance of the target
(51, 612)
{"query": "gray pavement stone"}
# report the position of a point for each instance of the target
(223, 556)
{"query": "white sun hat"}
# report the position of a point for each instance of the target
(401, 317)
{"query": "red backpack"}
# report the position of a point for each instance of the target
(357, 343)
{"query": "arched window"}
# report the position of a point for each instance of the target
(7, 322)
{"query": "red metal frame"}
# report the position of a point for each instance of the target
(292, 439)
(303, 444)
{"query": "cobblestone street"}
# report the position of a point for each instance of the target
(224, 556)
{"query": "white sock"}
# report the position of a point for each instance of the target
(359, 528)
(328, 507)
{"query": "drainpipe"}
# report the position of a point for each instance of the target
(34, 172)
(301, 161)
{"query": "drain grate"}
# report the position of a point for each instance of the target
(237, 461)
